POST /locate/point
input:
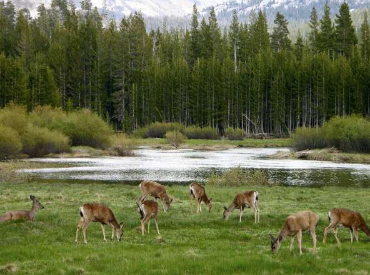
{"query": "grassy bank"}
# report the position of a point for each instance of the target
(327, 154)
(217, 144)
(189, 244)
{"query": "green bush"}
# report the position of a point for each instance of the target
(85, 128)
(39, 142)
(194, 132)
(49, 117)
(234, 134)
(348, 134)
(10, 142)
(237, 177)
(309, 138)
(175, 138)
(15, 117)
(123, 145)
(159, 129)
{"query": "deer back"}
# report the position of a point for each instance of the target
(97, 213)
(153, 188)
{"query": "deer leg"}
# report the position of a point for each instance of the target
(113, 231)
(148, 225)
(331, 226)
(351, 233)
(78, 229)
(355, 231)
(143, 221)
(291, 243)
(197, 205)
(200, 206)
(103, 229)
(240, 214)
(336, 235)
(156, 224)
(314, 239)
(299, 240)
(191, 203)
(84, 226)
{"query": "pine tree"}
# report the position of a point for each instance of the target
(365, 38)
(234, 39)
(345, 35)
(314, 32)
(280, 36)
(194, 36)
(326, 34)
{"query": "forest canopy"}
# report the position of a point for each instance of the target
(240, 77)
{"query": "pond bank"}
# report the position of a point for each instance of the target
(327, 154)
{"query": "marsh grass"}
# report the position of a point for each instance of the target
(189, 243)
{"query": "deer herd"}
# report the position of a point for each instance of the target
(293, 226)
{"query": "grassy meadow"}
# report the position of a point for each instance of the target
(189, 243)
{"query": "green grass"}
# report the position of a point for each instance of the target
(190, 243)
(196, 143)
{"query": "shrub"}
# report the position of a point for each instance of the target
(194, 132)
(236, 177)
(175, 138)
(10, 142)
(123, 145)
(87, 129)
(234, 134)
(49, 117)
(39, 142)
(309, 138)
(140, 133)
(159, 130)
(348, 134)
(15, 117)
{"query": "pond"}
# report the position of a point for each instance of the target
(186, 165)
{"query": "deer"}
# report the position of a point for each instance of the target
(294, 226)
(348, 218)
(198, 192)
(156, 190)
(95, 212)
(245, 199)
(23, 214)
(148, 210)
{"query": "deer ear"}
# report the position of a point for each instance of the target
(225, 208)
(272, 237)
(32, 197)
(171, 200)
(121, 225)
(210, 199)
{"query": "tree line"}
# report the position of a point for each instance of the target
(241, 77)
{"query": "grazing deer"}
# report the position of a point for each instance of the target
(156, 190)
(294, 226)
(148, 210)
(23, 214)
(198, 192)
(242, 200)
(94, 212)
(348, 218)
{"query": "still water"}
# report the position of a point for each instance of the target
(183, 166)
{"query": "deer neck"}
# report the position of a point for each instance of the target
(33, 210)
(282, 234)
(366, 229)
(115, 223)
(205, 199)
(231, 207)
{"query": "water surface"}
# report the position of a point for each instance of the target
(187, 165)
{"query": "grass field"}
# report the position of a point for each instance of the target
(189, 243)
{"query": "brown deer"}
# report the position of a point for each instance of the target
(23, 214)
(198, 192)
(94, 212)
(148, 210)
(156, 190)
(348, 218)
(294, 226)
(246, 199)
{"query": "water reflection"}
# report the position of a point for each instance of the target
(188, 165)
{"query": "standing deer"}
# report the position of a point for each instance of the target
(156, 190)
(348, 218)
(148, 210)
(198, 192)
(294, 226)
(94, 212)
(23, 214)
(242, 200)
